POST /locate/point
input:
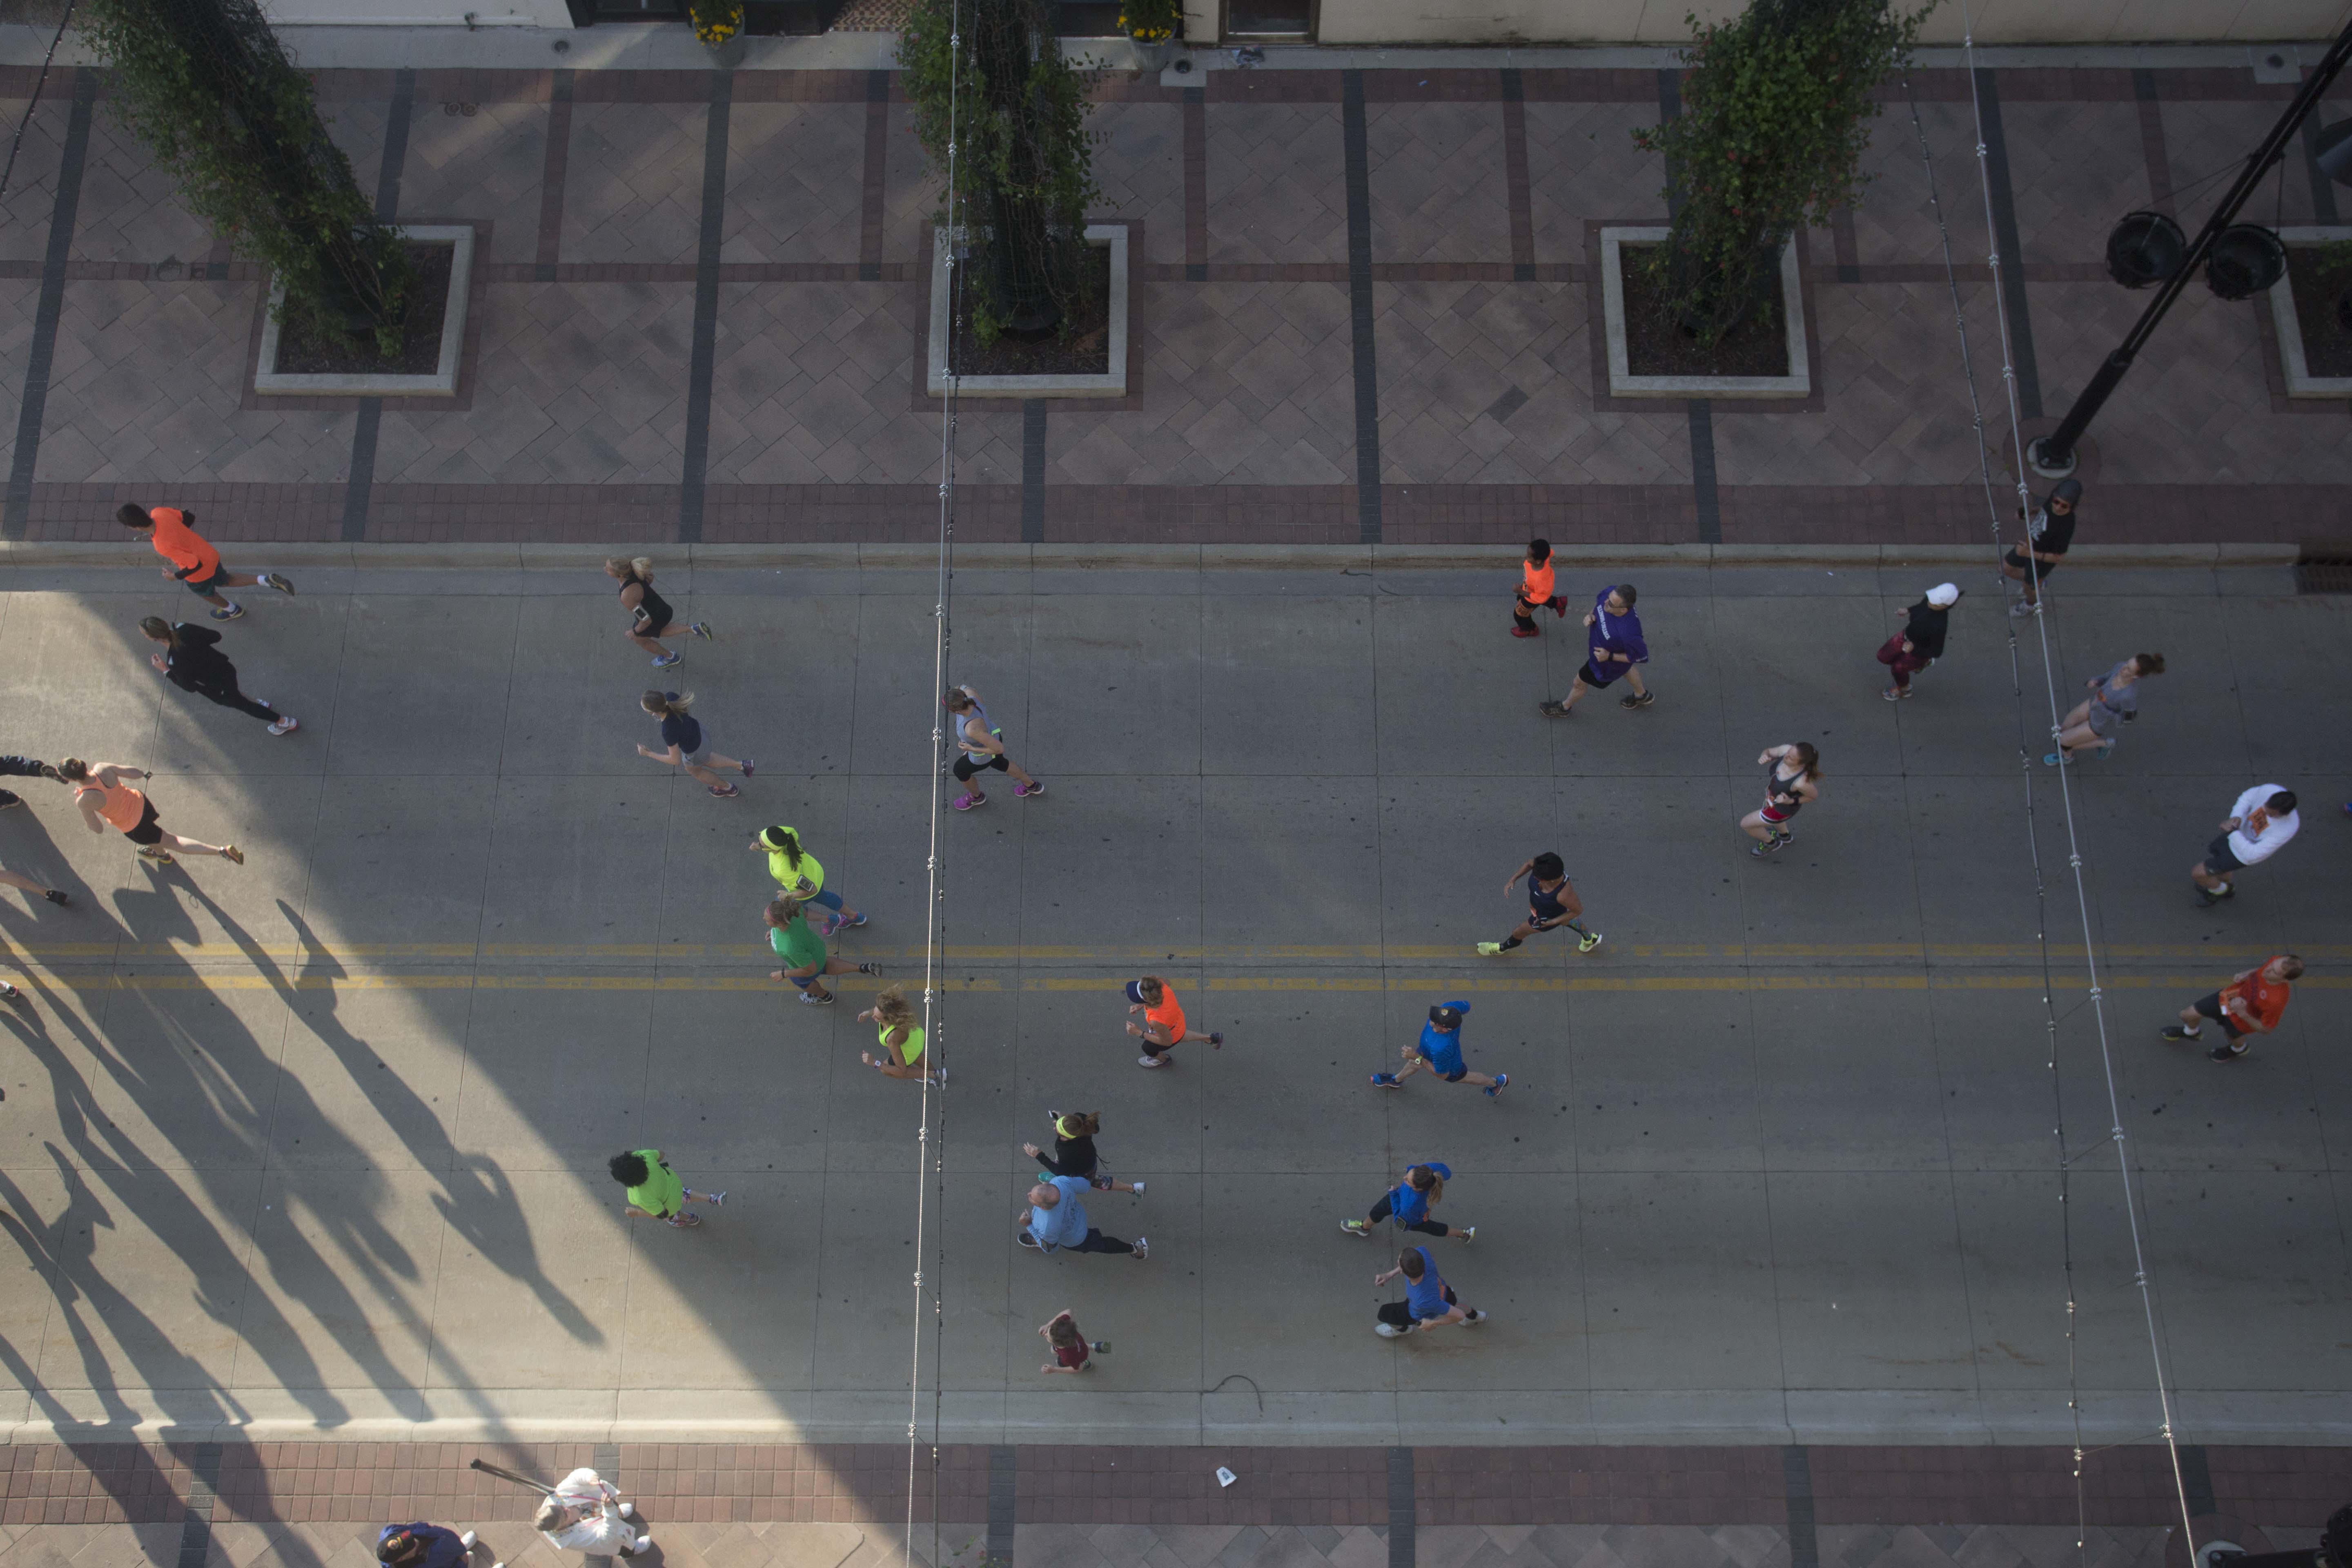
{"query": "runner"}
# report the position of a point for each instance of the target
(1070, 1346)
(423, 1545)
(106, 801)
(1409, 1202)
(1791, 777)
(805, 961)
(13, 767)
(1163, 1020)
(982, 744)
(1056, 1221)
(655, 1191)
(798, 873)
(1429, 1303)
(1551, 901)
(689, 740)
(650, 617)
(2258, 826)
(1534, 591)
(1073, 1153)
(2114, 699)
(1439, 1052)
(2049, 533)
(2252, 1004)
(193, 558)
(191, 662)
(1614, 637)
(1920, 643)
(902, 1038)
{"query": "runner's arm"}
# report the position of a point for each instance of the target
(1512, 880)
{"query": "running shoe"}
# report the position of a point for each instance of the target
(1385, 1080)
(1559, 606)
(467, 1540)
(1643, 701)
(1389, 1331)
(1027, 1240)
(665, 660)
(287, 724)
(1502, 1082)
(2175, 1032)
(2051, 759)
(230, 614)
(725, 792)
(1151, 1061)
(1529, 630)
(1142, 1248)
(161, 857)
(2207, 898)
(684, 1221)
(1357, 1226)
(748, 765)
(57, 896)
(1139, 1188)
(828, 926)
(2225, 1053)
(810, 1000)
(639, 1547)
(1023, 792)
(855, 923)
(1490, 949)
(9, 992)
(869, 969)
(1895, 693)
(943, 1083)
(719, 1200)
(1589, 942)
(277, 580)
(2021, 609)
(232, 854)
(1477, 1316)
(1469, 1232)
(9, 798)
(966, 802)
(701, 629)
(1554, 709)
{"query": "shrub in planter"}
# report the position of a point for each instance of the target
(1022, 175)
(204, 85)
(1775, 116)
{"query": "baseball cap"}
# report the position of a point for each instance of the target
(1445, 1017)
(1135, 991)
(1944, 595)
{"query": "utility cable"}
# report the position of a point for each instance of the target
(41, 81)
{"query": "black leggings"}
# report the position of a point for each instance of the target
(969, 764)
(1096, 1241)
(228, 696)
(1386, 1209)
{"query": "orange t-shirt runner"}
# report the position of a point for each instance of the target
(1168, 1014)
(183, 546)
(1536, 587)
(2264, 998)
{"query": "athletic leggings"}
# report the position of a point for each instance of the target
(1386, 1209)
(228, 696)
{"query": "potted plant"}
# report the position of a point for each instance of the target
(719, 25)
(1156, 26)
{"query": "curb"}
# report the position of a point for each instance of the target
(572, 558)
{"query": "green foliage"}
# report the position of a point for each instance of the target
(1022, 149)
(203, 85)
(1151, 21)
(1775, 116)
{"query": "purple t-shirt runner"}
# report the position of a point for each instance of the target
(1613, 634)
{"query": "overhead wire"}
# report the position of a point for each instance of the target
(17, 142)
(2093, 994)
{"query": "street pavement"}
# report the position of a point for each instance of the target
(317, 1145)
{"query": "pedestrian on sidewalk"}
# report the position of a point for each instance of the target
(799, 874)
(2251, 1003)
(1534, 591)
(983, 745)
(107, 800)
(1920, 643)
(2113, 702)
(893, 1017)
(806, 963)
(1791, 777)
(1614, 646)
(1429, 1301)
(586, 1513)
(655, 1191)
(1069, 1344)
(1073, 1153)
(193, 559)
(21, 768)
(1439, 1051)
(54, 895)
(1551, 901)
(650, 617)
(192, 660)
(1163, 1020)
(2258, 827)
(1408, 1205)
(2049, 535)
(423, 1545)
(1057, 1219)
(689, 740)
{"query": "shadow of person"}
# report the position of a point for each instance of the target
(28, 848)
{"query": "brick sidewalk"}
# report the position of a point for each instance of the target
(600, 404)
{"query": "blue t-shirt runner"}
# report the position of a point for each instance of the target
(1439, 1051)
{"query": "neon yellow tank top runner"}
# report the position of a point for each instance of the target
(914, 1046)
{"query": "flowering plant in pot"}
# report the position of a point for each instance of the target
(715, 22)
(1155, 25)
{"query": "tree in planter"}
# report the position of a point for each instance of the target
(1775, 116)
(1022, 170)
(204, 85)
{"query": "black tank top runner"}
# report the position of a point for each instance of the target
(653, 611)
(1779, 793)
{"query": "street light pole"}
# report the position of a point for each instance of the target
(2053, 455)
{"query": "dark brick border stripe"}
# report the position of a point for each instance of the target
(196, 1526)
(1033, 470)
(1003, 1502)
(367, 425)
(1403, 1515)
(2152, 140)
(40, 353)
(2012, 254)
(1360, 305)
(554, 175)
(1196, 185)
(1518, 193)
(703, 356)
(1797, 1477)
(874, 189)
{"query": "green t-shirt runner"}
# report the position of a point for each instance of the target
(661, 1193)
(796, 944)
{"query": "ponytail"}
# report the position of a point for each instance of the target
(785, 842)
(157, 628)
(666, 704)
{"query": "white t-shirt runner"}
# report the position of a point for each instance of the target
(2252, 849)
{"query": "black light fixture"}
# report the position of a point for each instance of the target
(2246, 258)
(2146, 248)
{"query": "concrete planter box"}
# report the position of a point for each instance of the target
(2300, 382)
(1111, 384)
(1623, 382)
(442, 382)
